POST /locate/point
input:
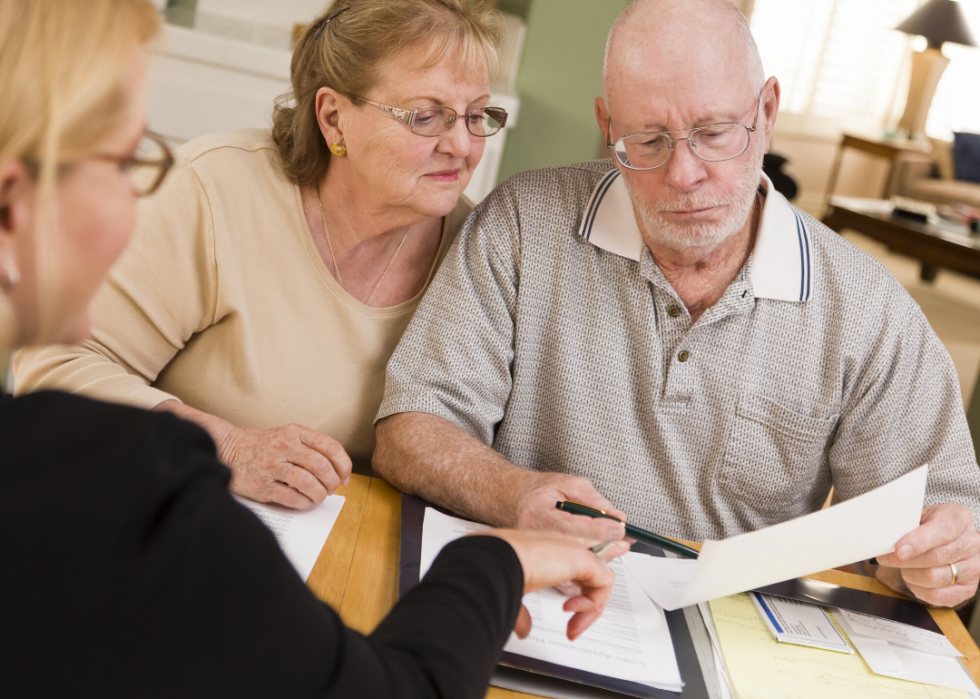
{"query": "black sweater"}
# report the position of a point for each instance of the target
(126, 570)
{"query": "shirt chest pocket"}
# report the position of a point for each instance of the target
(773, 454)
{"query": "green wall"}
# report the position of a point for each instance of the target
(560, 77)
(515, 7)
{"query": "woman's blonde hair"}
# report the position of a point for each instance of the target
(62, 68)
(61, 73)
(348, 53)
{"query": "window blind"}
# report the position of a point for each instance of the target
(844, 59)
(834, 58)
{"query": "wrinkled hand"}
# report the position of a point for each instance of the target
(536, 508)
(920, 564)
(548, 559)
(292, 465)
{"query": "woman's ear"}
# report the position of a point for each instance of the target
(329, 107)
(16, 218)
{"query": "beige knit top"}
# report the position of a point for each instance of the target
(223, 302)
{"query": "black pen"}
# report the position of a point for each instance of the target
(577, 508)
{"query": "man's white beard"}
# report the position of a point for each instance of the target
(681, 236)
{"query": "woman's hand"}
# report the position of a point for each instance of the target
(548, 559)
(292, 465)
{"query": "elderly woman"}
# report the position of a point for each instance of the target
(128, 569)
(273, 275)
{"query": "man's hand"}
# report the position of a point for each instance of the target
(293, 465)
(921, 562)
(536, 508)
(550, 559)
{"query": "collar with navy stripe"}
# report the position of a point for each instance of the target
(780, 262)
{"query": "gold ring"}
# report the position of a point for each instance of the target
(956, 574)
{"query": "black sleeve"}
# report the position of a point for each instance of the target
(141, 576)
(444, 637)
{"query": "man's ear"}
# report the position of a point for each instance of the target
(602, 118)
(770, 107)
(329, 107)
(16, 210)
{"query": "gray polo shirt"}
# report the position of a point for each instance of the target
(550, 333)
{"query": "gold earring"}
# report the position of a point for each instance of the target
(338, 149)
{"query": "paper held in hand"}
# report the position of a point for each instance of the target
(630, 641)
(857, 529)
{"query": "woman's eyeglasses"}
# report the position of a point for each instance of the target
(436, 121)
(147, 166)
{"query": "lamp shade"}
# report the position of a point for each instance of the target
(939, 21)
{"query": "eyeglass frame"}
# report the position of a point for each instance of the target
(408, 117)
(749, 130)
(126, 163)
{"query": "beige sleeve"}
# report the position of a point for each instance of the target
(161, 292)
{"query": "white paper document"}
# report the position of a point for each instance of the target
(665, 580)
(630, 641)
(438, 530)
(300, 534)
(901, 662)
(724, 679)
(855, 530)
(900, 634)
(798, 623)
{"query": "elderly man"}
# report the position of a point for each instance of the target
(666, 335)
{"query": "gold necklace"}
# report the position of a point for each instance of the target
(340, 280)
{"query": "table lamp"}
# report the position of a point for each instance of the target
(938, 21)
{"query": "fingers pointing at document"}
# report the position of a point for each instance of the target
(939, 561)
(549, 559)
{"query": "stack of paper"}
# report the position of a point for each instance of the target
(906, 652)
(888, 647)
(760, 667)
(724, 682)
(631, 641)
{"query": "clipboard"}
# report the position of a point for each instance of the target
(409, 561)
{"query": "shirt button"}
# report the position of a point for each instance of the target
(673, 311)
(684, 354)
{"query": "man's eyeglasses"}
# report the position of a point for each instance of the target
(713, 143)
(436, 121)
(147, 166)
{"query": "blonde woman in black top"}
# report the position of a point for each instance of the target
(126, 568)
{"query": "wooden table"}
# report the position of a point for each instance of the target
(357, 571)
(933, 246)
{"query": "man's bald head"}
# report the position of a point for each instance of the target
(683, 65)
(667, 35)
